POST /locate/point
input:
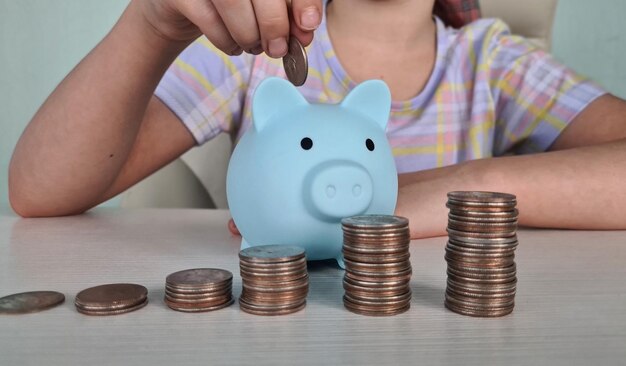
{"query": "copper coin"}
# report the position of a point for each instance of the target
(483, 276)
(375, 250)
(208, 299)
(387, 277)
(272, 267)
(477, 295)
(483, 246)
(271, 254)
(376, 258)
(381, 312)
(459, 208)
(111, 296)
(243, 306)
(348, 303)
(376, 268)
(198, 292)
(295, 62)
(30, 302)
(479, 313)
(114, 311)
(467, 234)
(480, 227)
(482, 253)
(484, 219)
(377, 284)
(198, 308)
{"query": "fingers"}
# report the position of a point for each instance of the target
(233, 228)
(206, 17)
(307, 14)
(273, 20)
(241, 22)
(254, 25)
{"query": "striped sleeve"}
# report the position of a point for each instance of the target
(206, 88)
(535, 96)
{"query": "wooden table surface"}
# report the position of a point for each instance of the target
(570, 306)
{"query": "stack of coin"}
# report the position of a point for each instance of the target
(480, 253)
(199, 289)
(275, 279)
(378, 269)
(111, 299)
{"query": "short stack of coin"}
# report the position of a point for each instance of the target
(275, 279)
(111, 299)
(378, 268)
(199, 289)
(480, 253)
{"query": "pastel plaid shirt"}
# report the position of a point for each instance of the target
(490, 93)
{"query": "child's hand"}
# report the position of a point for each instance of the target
(252, 26)
(233, 228)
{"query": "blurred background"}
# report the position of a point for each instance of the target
(42, 40)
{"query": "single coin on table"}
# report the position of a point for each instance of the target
(296, 63)
(30, 302)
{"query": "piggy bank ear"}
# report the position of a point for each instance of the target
(272, 96)
(370, 98)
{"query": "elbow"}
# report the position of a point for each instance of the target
(27, 205)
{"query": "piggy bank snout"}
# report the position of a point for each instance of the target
(339, 189)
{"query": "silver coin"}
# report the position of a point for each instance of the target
(30, 302)
(296, 63)
(481, 196)
(199, 277)
(271, 254)
(375, 221)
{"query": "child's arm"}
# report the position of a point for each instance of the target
(101, 130)
(579, 184)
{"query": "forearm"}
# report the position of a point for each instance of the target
(581, 188)
(78, 141)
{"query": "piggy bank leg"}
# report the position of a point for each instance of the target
(244, 244)
(340, 262)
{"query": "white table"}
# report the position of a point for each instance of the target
(570, 307)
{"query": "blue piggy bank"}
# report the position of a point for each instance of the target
(303, 167)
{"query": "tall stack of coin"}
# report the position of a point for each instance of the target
(275, 279)
(111, 299)
(199, 289)
(480, 253)
(378, 269)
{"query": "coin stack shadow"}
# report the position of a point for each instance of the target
(274, 278)
(111, 299)
(378, 268)
(199, 290)
(480, 253)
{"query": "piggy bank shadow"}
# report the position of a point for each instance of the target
(325, 283)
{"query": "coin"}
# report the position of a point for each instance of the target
(482, 275)
(199, 277)
(271, 254)
(295, 62)
(111, 299)
(30, 302)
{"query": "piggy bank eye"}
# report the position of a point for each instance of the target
(306, 143)
(369, 144)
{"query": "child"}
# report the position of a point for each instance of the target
(460, 96)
